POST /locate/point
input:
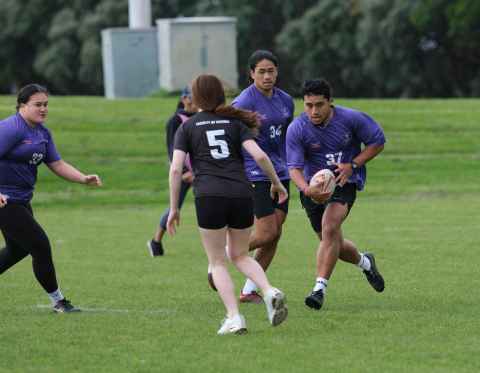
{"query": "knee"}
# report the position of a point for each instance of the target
(268, 236)
(41, 249)
(218, 261)
(330, 231)
(236, 257)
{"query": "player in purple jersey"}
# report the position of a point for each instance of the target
(25, 143)
(185, 109)
(214, 138)
(275, 109)
(327, 136)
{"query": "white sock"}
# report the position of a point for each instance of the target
(249, 287)
(364, 263)
(56, 296)
(321, 284)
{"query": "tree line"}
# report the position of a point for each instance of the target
(365, 48)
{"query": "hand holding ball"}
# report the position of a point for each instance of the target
(323, 185)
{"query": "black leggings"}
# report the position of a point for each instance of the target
(24, 236)
(184, 187)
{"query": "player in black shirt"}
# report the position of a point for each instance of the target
(214, 138)
(185, 109)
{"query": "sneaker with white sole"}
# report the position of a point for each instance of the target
(64, 306)
(277, 310)
(252, 297)
(155, 248)
(234, 325)
(373, 276)
(315, 299)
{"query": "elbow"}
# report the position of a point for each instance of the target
(261, 157)
(175, 171)
(375, 149)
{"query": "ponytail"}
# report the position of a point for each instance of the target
(250, 118)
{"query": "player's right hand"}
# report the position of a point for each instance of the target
(279, 190)
(173, 221)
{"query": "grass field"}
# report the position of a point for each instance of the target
(419, 214)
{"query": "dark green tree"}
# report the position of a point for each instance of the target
(390, 48)
(322, 43)
(451, 39)
(24, 26)
(258, 24)
(71, 59)
(364, 47)
(58, 43)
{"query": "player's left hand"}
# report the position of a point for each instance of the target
(343, 171)
(187, 177)
(93, 180)
(317, 193)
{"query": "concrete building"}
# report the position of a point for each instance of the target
(141, 59)
(188, 47)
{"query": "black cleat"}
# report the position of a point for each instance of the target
(315, 299)
(373, 276)
(155, 248)
(64, 306)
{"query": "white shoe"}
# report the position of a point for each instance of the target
(234, 325)
(276, 308)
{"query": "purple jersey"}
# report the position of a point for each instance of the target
(312, 148)
(276, 113)
(22, 150)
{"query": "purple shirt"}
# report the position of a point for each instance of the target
(22, 150)
(276, 113)
(313, 148)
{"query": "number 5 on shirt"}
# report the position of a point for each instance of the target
(220, 150)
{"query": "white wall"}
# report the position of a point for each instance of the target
(130, 65)
(188, 47)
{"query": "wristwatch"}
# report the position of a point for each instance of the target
(354, 165)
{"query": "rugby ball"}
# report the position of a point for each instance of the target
(325, 177)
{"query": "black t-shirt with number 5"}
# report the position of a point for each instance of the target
(215, 146)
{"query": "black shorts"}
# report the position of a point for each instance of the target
(344, 195)
(220, 212)
(263, 204)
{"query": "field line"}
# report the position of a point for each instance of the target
(114, 310)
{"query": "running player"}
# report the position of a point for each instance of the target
(185, 109)
(328, 136)
(25, 143)
(275, 108)
(214, 138)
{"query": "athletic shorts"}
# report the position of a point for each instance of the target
(220, 212)
(344, 195)
(263, 204)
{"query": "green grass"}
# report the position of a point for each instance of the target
(419, 214)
